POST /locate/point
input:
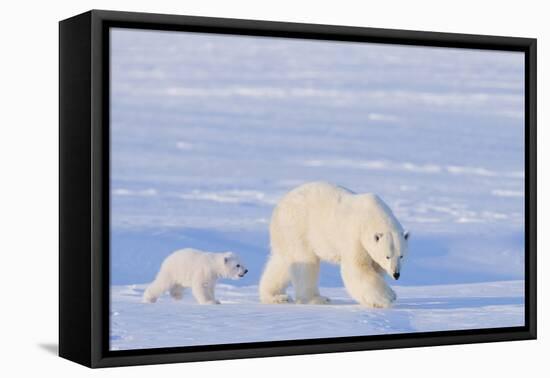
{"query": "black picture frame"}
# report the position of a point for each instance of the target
(84, 187)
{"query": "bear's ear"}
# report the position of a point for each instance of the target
(406, 234)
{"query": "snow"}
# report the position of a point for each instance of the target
(208, 132)
(240, 318)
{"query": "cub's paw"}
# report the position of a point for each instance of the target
(212, 302)
(148, 299)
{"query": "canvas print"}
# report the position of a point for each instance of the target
(266, 189)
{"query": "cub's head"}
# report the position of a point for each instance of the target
(388, 248)
(382, 235)
(233, 267)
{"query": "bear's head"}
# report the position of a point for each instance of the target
(383, 237)
(233, 267)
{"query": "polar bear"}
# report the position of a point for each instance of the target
(319, 221)
(196, 269)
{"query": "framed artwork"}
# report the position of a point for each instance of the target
(236, 188)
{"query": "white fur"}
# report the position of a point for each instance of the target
(195, 269)
(320, 221)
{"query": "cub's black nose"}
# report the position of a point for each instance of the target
(396, 276)
(245, 271)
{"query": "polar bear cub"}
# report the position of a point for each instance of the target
(320, 221)
(196, 269)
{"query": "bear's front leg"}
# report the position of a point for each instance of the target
(381, 295)
(366, 285)
(203, 291)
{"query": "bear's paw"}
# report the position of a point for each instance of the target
(382, 298)
(319, 299)
(281, 299)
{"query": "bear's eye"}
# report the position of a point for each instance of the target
(400, 257)
(238, 265)
(377, 237)
(387, 257)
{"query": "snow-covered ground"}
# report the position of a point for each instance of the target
(208, 132)
(240, 318)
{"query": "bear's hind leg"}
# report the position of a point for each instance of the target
(274, 281)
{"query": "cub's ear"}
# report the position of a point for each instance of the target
(227, 256)
(406, 234)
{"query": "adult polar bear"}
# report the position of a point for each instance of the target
(319, 221)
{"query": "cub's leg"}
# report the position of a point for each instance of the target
(203, 291)
(176, 292)
(211, 292)
(161, 283)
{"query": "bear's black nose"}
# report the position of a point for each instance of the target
(396, 275)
